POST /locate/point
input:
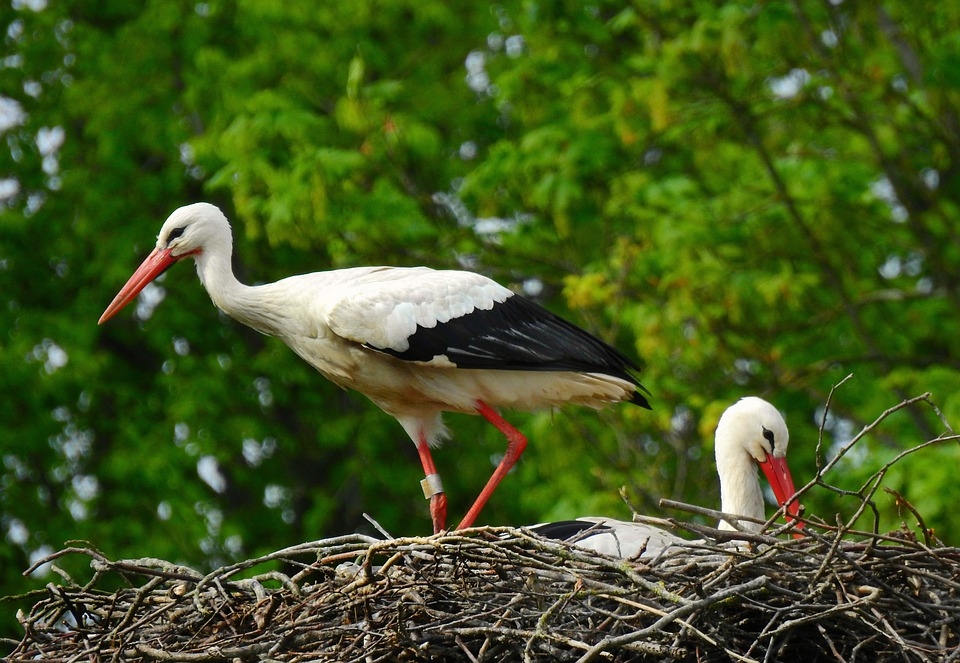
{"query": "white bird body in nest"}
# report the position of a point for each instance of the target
(750, 433)
(414, 340)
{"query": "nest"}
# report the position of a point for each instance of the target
(506, 594)
(491, 594)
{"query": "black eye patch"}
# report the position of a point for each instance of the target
(175, 233)
(767, 433)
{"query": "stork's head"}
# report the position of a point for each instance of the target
(193, 228)
(188, 232)
(753, 428)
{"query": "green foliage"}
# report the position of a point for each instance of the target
(764, 214)
(743, 212)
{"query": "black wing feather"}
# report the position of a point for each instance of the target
(564, 530)
(519, 334)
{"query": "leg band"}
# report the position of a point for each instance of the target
(431, 485)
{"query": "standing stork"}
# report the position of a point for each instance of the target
(415, 341)
(751, 433)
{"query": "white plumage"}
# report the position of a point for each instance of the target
(414, 340)
(750, 433)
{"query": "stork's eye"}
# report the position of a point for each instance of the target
(175, 233)
(767, 433)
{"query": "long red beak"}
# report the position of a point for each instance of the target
(778, 474)
(154, 265)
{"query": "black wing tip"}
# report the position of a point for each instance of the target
(563, 530)
(640, 393)
(639, 399)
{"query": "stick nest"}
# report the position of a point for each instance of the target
(492, 594)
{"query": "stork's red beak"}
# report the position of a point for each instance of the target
(154, 265)
(778, 474)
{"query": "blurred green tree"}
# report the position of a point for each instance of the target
(764, 197)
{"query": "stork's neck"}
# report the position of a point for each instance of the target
(740, 491)
(241, 302)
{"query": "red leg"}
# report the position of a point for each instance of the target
(432, 488)
(516, 443)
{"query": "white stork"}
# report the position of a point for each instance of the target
(415, 341)
(750, 432)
